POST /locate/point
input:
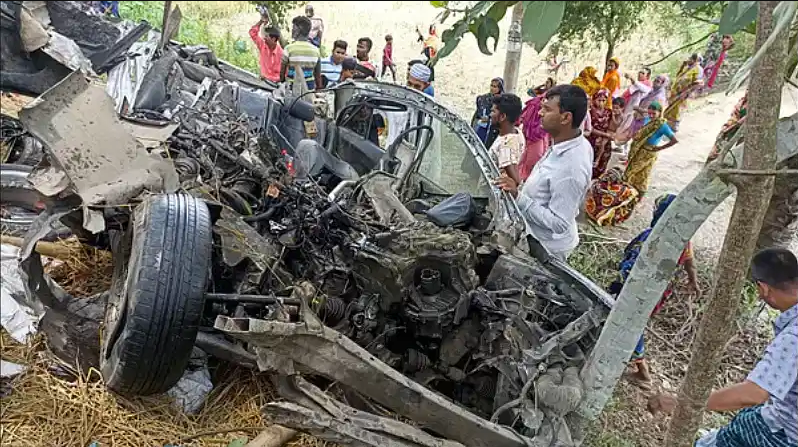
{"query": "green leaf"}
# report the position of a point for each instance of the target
(782, 16)
(479, 9)
(487, 28)
(541, 21)
(439, 4)
(737, 16)
(695, 5)
(499, 10)
(451, 38)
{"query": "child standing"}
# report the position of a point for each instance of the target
(387, 58)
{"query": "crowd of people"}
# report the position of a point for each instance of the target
(304, 54)
(554, 155)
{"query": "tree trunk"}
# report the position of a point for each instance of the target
(780, 228)
(512, 60)
(753, 196)
(610, 53)
(654, 268)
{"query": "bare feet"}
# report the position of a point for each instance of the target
(642, 377)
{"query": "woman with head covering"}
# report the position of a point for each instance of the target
(481, 118)
(658, 93)
(536, 139)
(588, 81)
(630, 254)
(687, 80)
(610, 200)
(613, 197)
(612, 79)
(645, 148)
(599, 135)
(713, 66)
(431, 43)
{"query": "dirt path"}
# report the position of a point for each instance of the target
(677, 166)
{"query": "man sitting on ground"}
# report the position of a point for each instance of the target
(331, 66)
(768, 397)
(303, 54)
(553, 194)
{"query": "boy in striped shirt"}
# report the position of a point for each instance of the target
(301, 53)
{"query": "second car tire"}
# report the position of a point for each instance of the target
(157, 301)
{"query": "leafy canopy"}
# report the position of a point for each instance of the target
(608, 21)
(280, 10)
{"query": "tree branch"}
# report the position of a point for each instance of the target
(680, 49)
(700, 19)
(722, 172)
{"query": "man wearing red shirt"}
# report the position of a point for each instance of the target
(269, 50)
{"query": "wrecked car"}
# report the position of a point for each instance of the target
(387, 265)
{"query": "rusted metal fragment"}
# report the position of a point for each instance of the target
(240, 241)
(378, 186)
(84, 137)
(315, 411)
(329, 353)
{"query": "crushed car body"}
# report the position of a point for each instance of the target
(299, 236)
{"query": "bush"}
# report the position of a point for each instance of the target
(194, 28)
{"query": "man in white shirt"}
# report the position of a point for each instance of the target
(552, 196)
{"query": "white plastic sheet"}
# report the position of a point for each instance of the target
(18, 320)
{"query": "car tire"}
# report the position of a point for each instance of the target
(21, 203)
(157, 297)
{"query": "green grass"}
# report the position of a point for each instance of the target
(597, 258)
(608, 439)
(195, 27)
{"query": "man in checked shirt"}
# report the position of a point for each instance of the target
(768, 397)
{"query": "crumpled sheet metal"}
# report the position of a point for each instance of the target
(72, 324)
(66, 52)
(17, 319)
(32, 33)
(81, 131)
(313, 411)
(240, 241)
(124, 80)
(329, 353)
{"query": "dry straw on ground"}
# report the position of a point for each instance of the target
(84, 272)
(46, 406)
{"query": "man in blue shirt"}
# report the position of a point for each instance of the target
(331, 66)
(768, 397)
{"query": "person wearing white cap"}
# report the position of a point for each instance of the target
(418, 78)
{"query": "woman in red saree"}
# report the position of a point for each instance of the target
(599, 136)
